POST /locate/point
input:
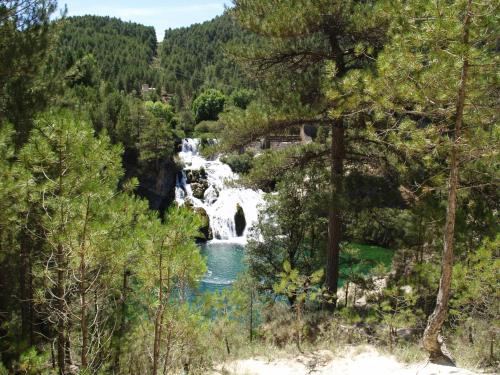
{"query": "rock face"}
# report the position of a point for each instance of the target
(196, 175)
(239, 221)
(157, 186)
(198, 180)
(205, 227)
(199, 188)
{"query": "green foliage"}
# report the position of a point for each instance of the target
(208, 105)
(26, 82)
(424, 106)
(239, 163)
(78, 247)
(299, 288)
(291, 230)
(9, 189)
(83, 72)
(123, 51)
(192, 59)
(33, 363)
(157, 137)
(147, 130)
(396, 308)
(162, 111)
(366, 257)
(172, 252)
(241, 98)
(170, 263)
(476, 284)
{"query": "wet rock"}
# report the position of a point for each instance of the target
(211, 195)
(188, 203)
(199, 188)
(205, 230)
(196, 175)
(239, 221)
(156, 185)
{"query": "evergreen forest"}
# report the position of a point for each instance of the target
(289, 179)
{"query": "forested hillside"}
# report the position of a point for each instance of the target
(343, 155)
(194, 58)
(126, 55)
(123, 51)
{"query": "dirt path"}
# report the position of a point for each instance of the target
(356, 361)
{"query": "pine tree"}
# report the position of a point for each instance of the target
(439, 79)
(299, 42)
(170, 263)
(25, 83)
(75, 175)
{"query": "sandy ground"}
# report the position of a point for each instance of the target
(356, 361)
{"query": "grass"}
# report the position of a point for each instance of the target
(369, 255)
(375, 253)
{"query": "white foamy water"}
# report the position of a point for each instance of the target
(221, 199)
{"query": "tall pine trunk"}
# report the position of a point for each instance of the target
(26, 288)
(432, 341)
(157, 338)
(335, 211)
(83, 290)
(60, 260)
(27, 244)
(121, 329)
(61, 339)
(337, 155)
(158, 325)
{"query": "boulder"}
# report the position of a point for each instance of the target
(205, 230)
(196, 175)
(239, 221)
(199, 188)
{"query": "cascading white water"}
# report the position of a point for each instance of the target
(221, 198)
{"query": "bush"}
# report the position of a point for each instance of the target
(239, 163)
(208, 105)
(241, 98)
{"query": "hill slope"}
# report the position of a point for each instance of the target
(124, 50)
(192, 58)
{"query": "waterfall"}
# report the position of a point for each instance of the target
(209, 185)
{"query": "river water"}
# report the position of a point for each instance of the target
(224, 263)
(219, 197)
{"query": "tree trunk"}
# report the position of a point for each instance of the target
(83, 316)
(83, 290)
(432, 341)
(335, 211)
(59, 293)
(27, 244)
(60, 264)
(26, 289)
(158, 318)
(67, 348)
(168, 347)
(121, 329)
(251, 316)
(157, 339)
(61, 340)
